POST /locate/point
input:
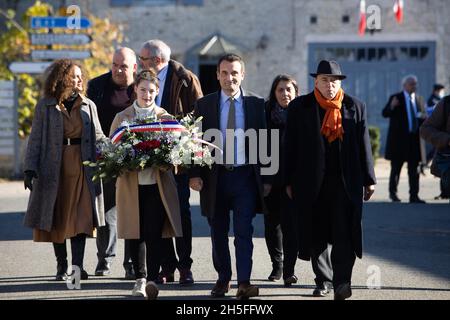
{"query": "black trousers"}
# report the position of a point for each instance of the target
(151, 220)
(332, 224)
(77, 244)
(413, 177)
(184, 243)
(281, 232)
(413, 172)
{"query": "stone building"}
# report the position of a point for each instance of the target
(291, 36)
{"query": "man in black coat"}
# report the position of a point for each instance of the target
(112, 93)
(236, 184)
(329, 170)
(406, 112)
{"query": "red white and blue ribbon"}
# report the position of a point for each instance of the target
(148, 127)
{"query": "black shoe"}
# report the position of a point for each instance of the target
(61, 272)
(186, 277)
(275, 274)
(84, 275)
(321, 290)
(103, 269)
(394, 198)
(165, 277)
(129, 273)
(416, 200)
(289, 281)
(343, 291)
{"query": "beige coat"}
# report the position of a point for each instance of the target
(127, 201)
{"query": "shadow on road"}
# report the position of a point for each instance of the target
(415, 235)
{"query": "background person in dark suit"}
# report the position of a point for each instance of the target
(329, 170)
(237, 185)
(406, 112)
(179, 88)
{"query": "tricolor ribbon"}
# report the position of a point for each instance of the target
(156, 127)
(148, 127)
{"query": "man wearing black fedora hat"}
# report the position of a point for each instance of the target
(330, 160)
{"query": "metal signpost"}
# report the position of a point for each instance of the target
(60, 22)
(52, 38)
(59, 54)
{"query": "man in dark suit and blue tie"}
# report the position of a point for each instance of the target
(406, 111)
(236, 185)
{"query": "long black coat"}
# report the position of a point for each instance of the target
(397, 148)
(208, 107)
(305, 163)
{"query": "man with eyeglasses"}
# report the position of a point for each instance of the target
(179, 89)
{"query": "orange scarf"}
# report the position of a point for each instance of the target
(332, 122)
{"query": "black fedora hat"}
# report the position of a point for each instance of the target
(329, 68)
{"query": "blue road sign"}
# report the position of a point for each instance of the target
(60, 22)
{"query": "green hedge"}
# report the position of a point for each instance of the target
(375, 138)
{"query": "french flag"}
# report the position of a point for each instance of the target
(398, 10)
(362, 17)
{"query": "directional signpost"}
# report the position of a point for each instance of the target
(60, 22)
(52, 38)
(28, 67)
(60, 54)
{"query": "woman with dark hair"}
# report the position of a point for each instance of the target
(64, 202)
(147, 200)
(280, 222)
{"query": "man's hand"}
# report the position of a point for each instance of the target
(394, 103)
(267, 189)
(289, 191)
(196, 184)
(28, 179)
(368, 192)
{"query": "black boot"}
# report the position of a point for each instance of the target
(61, 259)
(78, 244)
(277, 271)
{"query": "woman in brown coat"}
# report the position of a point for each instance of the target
(64, 202)
(147, 201)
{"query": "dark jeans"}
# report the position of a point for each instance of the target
(280, 231)
(184, 243)
(236, 191)
(77, 244)
(151, 220)
(332, 224)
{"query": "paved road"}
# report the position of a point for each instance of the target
(407, 249)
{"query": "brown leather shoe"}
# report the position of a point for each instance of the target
(220, 288)
(186, 278)
(246, 291)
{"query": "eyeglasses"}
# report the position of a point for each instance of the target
(144, 59)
